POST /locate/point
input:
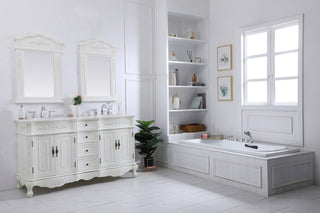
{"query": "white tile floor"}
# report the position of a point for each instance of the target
(162, 191)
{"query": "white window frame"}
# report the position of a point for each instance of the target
(270, 29)
(292, 134)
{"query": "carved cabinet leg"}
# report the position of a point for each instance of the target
(19, 185)
(134, 172)
(29, 190)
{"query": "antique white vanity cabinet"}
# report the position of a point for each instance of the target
(53, 152)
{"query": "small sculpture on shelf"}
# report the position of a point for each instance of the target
(194, 78)
(173, 56)
(193, 35)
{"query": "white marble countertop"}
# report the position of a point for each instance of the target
(72, 118)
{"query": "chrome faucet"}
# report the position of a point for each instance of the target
(247, 133)
(103, 109)
(51, 113)
(42, 112)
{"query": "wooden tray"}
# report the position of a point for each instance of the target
(193, 127)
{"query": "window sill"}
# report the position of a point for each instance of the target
(273, 108)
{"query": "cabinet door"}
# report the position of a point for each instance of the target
(65, 153)
(125, 150)
(43, 160)
(107, 149)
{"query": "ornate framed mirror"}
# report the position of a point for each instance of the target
(97, 68)
(38, 66)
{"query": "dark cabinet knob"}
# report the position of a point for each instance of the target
(87, 164)
(52, 151)
(87, 150)
(57, 151)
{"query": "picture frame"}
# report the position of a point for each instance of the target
(224, 88)
(224, 57)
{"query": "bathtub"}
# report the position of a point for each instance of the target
(256, 149)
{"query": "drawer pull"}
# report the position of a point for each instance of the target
(87, 164)
(85, 124)
(53, 151)
(87, 150)
(86, 136)
(57, 151)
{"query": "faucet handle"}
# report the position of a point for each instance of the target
(247, 133)
(31, 114)
(51, 113)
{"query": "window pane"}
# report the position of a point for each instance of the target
(257, 44)
(286, 65)
(286, 38)
(257, 92)
(286, 91)
(257, 68)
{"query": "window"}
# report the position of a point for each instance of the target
(271, 64)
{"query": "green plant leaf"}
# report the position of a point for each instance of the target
(148, 138)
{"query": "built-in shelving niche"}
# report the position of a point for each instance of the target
(179, 40)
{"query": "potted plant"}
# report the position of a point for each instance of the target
(148, 138)
(77, 102)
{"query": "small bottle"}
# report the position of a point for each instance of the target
(21, 113)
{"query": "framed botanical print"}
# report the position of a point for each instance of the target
(224, 58)
(224, 88)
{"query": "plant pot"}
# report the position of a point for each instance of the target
(149, 162)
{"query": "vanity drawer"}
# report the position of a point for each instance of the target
(88, 136)
(86, 125)
(88, 164)
(50, 127)
(124, 122)
(119, 122)
(87, 149)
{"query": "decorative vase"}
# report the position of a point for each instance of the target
(78, 110)
(176, 102)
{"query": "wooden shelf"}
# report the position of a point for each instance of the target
(187, 63)
(186, 40)
(188, 110)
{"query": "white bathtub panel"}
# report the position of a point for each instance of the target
(293, 173)
(237, 172)
(198, 162)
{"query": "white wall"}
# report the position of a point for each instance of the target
(226, 19)
(67, 22)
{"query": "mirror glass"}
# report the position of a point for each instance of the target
(98, 76)
(38, 75)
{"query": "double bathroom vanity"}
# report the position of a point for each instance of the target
(56, 151)
(53, 151)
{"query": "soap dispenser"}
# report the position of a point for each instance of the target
(21, 113)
